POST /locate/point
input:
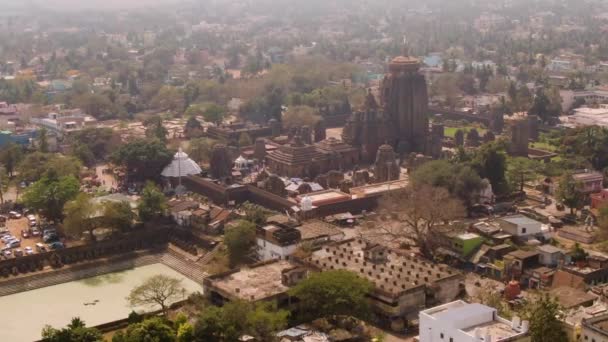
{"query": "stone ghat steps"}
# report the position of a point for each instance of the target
(209, 256)
(66, 275)
(187, 268)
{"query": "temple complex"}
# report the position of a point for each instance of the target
(386, 167)
(401, 118)
(396, 123)
(298, 159)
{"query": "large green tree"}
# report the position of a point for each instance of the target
(152, 203)
(214, 113)
(461, 180)
(79, 215)
(545, 316)
(332, 293)
(151, 330)
(569, 193)
(118, 215)
(99, 141)
(50, 194)
(144, 159)
(37, 164)
(10, 156)
(239, 240)
(521, 170)
(236, 318)
(76, 331)
(490, 161)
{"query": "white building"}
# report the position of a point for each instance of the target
(520, 225)
(276, 241)
(585, 116)
(463, 322)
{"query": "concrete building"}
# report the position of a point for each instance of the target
(403, 283)
(552, 256)
(520, 225)
(276, 241)
(265, 281)
(463, 322)
(586, 116)
(589, 182)
(595, 329)
(65, 122)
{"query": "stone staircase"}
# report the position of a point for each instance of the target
(207, 258)
(187, 268)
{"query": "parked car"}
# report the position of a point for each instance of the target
(7, 253)
(29, 250)
(50, 237)
(6, 238)
(56, 245)
(14, 244)
(35, 232)
(3, 218)
(40, 247)
(18, 253)
(25, 234)
(14, 215)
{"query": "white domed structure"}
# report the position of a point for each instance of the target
(181, 166)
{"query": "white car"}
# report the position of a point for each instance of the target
(29, 250)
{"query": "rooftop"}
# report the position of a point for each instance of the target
(315, 229)
(397, 274)
(549, 249)
(475, 318)
(569, 297)
(598, 324)
(326, 196)
(254, 283)
(378, 188)
(519, 220)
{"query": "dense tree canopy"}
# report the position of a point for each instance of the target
(50, 194)
(76, 331)
(144, 159)
(332, 293)
(152, 203)
(240, 239)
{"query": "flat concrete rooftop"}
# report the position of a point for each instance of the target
(253, 283)
(396, 275)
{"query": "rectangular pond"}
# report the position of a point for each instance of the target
(23, 315)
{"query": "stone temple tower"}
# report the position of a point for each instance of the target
(404, 99)
(386, 167)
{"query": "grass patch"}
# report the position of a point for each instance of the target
(451, 131)
(543, 146)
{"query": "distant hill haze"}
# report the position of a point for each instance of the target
(75, 5)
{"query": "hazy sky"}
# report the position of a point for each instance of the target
(85, 4)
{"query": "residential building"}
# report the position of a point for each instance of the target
(265, 281)
(464, 244)
(463, 322)
(600, 199)
(276, 241)
(586, 116)
(403, 283)
(595, 329)
(65, 122)
(589, 182)
(552, 256)
(318, 232)
(520, 225)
